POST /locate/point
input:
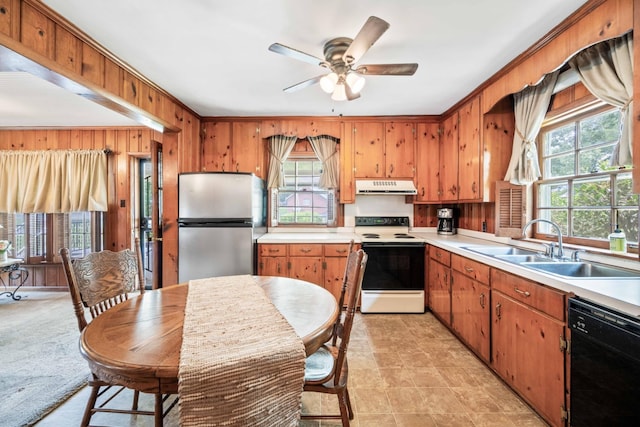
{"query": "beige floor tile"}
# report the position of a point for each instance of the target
(457, 377)
(396, 377)
(370, 401)
(427, 377)
(441, 400)
(475, 400)
(490, 420)
(452, 420)
(376, 420)
(407, 400)
(414, 420)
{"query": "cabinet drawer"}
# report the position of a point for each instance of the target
(305, 250)
(336, 249)
(473, 269)
(531, 293)
(272, 250)
(440, 255)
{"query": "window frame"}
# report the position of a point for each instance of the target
(331, 198)
(555, 121)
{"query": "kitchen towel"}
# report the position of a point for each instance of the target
(241, 363)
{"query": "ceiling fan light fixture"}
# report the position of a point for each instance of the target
(328, 82)
(355, 82)
(340, 93)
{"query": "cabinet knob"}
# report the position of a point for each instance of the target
(521, 292)
(499, 311)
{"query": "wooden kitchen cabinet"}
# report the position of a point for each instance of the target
(469, 151)
(323, 265)
(529, 342)
(448, 157)
(233, 147)
(399, 149)
(384, 150)
(335, 262)
(368, 142)
(305, 263)
(470, 305)
(247, 149)
(428, 161)
(440, 284)
(273, 260)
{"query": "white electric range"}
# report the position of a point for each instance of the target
(394, 276)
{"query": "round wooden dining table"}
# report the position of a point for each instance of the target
(137, 343)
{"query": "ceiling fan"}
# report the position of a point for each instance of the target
(344, 81)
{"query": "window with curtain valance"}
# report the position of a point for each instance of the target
(303, 185)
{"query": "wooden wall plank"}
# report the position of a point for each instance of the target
(37, 31)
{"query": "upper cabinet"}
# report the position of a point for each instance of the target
(384, 150)
(233, 147)
(428, 162)
(448, 189)
(469, 151)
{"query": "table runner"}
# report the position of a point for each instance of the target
(241, 363)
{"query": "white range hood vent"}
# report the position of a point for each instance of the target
(389, 187)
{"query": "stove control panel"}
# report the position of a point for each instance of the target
(382, 221)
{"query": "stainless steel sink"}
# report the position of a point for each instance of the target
(582, 270)
(519, 259)
(500, 250)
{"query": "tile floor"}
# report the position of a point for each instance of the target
(405, 370)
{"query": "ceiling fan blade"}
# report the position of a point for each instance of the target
(303, 84)
(369, 33)
(296, 54)
(387, 69)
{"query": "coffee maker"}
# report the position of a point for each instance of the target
(447, 221)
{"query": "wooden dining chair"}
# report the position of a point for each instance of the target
(326, 370)
(97, 282)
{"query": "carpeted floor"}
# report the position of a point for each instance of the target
(40, 364)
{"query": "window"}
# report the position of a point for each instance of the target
(579, 189)
(301, 201)
(38, 237)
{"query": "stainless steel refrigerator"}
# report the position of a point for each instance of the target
(220, 217)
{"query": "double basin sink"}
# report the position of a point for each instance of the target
(537, 261)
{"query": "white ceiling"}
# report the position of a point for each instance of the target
(213, 54)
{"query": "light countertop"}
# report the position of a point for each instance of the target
(620, 294)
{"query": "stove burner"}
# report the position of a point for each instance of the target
(371, 235)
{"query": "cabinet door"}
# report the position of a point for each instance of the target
(399, 149)
(470, 312)
(526, 353)
(449, 159)
(469, 151)
(216, 146)
(368, 141)
(307, 268)
(246, 148)
(428, 159)
(439, 291)
(273, 266)
(334, 274)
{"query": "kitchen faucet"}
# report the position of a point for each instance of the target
(556, 226)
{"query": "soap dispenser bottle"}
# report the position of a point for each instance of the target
(617, 239)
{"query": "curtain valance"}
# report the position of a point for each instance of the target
(53, 181)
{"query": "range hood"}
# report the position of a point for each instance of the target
(390, 187)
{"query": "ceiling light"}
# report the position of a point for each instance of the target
(355, 82)
(328, 82)
(339, 94)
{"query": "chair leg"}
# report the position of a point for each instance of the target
(346, 394)
(88, 411)
(158, 410)
(136, 395)
(344, 411)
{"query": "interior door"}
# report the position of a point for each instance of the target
(156, 213)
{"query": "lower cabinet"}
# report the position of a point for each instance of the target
(321, 264)
(528, 342)
(517, 326)
(470, 305)
(440, 284)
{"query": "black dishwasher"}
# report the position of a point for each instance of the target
(605, 366)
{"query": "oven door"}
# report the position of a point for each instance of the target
(394, 267)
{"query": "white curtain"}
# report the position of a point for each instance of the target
(280, 147)
(53, 181)
(325, 148)
(606, 69)
(530, 106)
